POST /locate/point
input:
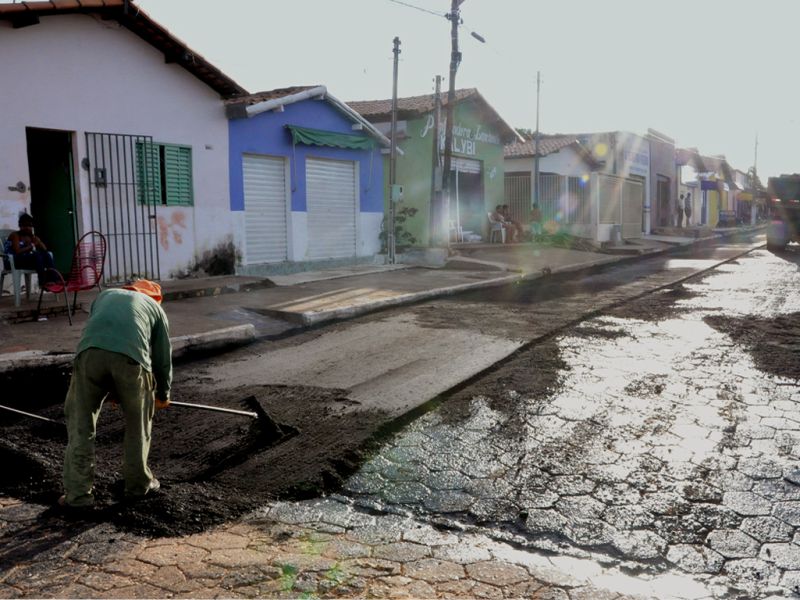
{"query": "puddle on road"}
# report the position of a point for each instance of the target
(663, 447)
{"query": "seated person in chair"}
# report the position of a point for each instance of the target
(498, 217)
(518, 229)
(28, 250)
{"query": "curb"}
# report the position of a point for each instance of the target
(237, 335)
(232, 288)
(311, 318)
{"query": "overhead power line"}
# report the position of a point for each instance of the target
(425, 10)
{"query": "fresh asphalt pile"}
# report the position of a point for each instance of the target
(212, 467)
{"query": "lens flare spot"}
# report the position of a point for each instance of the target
(601, 150)
(584, 179)
(551, 227)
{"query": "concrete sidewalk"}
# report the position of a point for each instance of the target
(211, 313)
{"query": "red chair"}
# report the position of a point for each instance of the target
(85, 273)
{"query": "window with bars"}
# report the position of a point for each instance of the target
(164, 173)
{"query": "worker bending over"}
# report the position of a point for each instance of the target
(124, 355)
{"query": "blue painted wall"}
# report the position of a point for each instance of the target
(265, 134)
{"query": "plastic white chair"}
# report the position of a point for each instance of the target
(456, 229)
(494, 228)
(16, 274)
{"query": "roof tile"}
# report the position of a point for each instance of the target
(547, 145)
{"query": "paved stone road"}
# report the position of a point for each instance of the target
(320, 548)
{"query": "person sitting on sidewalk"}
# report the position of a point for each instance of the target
(29, 251)
(124, 356)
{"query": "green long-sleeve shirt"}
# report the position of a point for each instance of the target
(132, 324)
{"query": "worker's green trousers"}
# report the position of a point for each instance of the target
(97, 373)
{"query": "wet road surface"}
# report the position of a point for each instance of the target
(659, 448)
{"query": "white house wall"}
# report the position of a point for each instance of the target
(79, 74)
(564, 162)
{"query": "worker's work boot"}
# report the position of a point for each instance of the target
(73, 508)
(151, 488)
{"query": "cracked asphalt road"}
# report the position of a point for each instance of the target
(648, 438)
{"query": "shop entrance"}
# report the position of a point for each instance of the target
(662, 202)
(466, 201)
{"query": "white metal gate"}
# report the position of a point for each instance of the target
(517, 187)
(550, 192)
(332, 201)
(265, 208)
(620, 203)
(632, 194)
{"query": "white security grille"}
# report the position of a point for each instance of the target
(620, 203)
(579, 201)
(632, 209)
(550, 190)
(517, 195)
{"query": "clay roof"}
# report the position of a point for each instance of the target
(411, 106)
(257, 97)
(548, 144)
(414, 106)
(22, 14)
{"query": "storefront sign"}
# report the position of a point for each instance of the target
(464, 138)
(637, 162)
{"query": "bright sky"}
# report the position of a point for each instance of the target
(708, 73)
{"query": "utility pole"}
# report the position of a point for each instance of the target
(390, 233)
(753, 205)
(440, 237)
(536, 145)
(755, 159)
(436, 179)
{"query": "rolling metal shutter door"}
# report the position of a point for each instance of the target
(331, 196)
(264, 208)
(465, 165)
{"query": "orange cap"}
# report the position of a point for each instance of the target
(149, 288)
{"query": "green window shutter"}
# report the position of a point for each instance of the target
(178, 175)
(148, 173)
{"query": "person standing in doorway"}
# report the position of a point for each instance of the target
(679, 211)
(687, 207)
(124, 356)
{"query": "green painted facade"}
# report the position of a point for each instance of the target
(474, 139)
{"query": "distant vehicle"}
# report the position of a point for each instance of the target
(784, 203)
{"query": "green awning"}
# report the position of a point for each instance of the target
(320, 137)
